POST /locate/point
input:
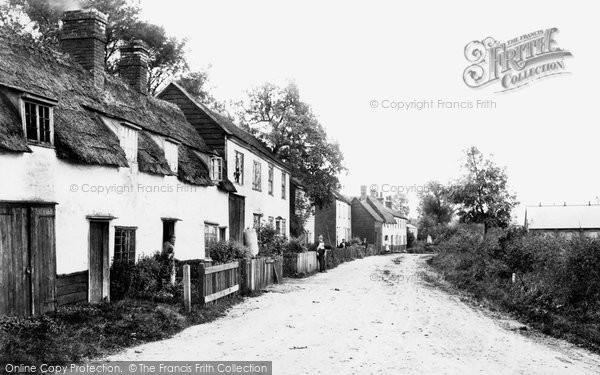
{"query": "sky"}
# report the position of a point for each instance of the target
(345, 55)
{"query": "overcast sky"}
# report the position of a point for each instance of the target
(343, 55)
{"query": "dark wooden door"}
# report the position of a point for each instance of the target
(237, 213)
(43, 259)
(98, 272)
(27, 259)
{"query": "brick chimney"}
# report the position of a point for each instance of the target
(363, 192)
(133, 66)
(83, 37)
(388, 203)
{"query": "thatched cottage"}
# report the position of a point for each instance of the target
(94, 169)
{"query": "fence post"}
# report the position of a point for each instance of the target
(202, 281)
(187, 291)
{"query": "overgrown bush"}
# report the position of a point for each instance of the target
(270, 243)
(295, 246)
(557, 280)
(227, 251)
(149, 278)
(355, 241)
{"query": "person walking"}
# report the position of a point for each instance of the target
(321, 255)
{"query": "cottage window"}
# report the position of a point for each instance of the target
(125, 244)
(172, 155)
(129, 142)
(256, 180)
(38, 123)
(283, 185)
(210, 234)
(270, 179)
(216, 168)
(256, 220)
(238, 174)
(280, 226)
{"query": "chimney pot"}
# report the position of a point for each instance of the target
(133, 65)
(363, 192)
(83, 36)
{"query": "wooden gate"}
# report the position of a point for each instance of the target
(27, 258)
(237, 213)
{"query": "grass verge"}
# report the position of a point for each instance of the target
(80, 332)
(570, 325)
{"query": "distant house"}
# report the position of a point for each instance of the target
(261, 179)
(298, 192)
(374, 219)
(93, 170)
(334, 221)
(564, 220)
(412, 229)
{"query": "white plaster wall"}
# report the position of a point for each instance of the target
(259, 202)
(135, 199)
(309, 227)
(392, 230)
(343, 221)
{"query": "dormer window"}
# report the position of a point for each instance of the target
(216, 168)
(129, 142)
(38, 122)
(171, 154)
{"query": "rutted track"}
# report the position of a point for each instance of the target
(368, 316)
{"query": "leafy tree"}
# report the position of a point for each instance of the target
(287, 125)
(435, 208)
(482, 193)
(400, 203)
(12, 21)
(167, 54)
(196, 84)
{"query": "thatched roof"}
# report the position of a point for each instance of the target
(11, 129)
(80, 136)
(151, 158)
(191, 168)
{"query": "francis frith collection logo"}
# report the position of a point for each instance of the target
(514, 63)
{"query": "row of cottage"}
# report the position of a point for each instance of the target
(94, 169)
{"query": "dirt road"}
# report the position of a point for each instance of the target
(369, 316)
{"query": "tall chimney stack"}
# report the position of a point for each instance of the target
(83, 37)
(363, 192)
(133, 66)
(388, 202)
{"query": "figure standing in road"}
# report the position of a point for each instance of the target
(321, 254)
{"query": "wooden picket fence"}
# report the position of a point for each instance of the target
(258, 273)
(218, 281)
(297, 264)
(206, 284)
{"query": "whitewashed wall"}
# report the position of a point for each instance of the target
(259, 202)
(137, 199)
(397, 230)
(343, 222)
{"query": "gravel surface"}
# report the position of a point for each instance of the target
(370, 316)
